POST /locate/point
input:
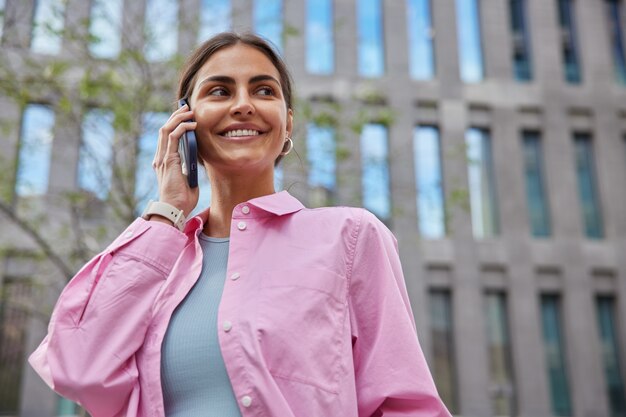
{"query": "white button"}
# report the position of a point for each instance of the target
(129, 234)
(245, 209)
(246, 401)
(241, 225)
(235, 276)
(227, 325)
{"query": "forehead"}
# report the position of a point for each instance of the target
(238, 61)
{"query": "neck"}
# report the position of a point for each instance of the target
(229, 190)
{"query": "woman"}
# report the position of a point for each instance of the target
(257, 306)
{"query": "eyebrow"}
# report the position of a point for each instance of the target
(229, 80)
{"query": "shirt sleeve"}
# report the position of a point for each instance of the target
(392, 377)
(101, 318)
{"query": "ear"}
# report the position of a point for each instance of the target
(289, 126)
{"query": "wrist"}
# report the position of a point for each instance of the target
(160, 219)
(166, 212)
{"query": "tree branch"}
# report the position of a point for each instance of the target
(54, 257)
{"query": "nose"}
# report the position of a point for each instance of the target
(242, 105)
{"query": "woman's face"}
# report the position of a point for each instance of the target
(241, 112)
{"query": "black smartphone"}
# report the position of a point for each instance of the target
(188, 150)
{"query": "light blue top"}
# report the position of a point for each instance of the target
(193, 375)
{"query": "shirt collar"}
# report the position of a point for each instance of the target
(279, 204)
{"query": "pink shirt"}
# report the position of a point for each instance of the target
(314, 319)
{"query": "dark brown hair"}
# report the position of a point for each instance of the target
(224, 40)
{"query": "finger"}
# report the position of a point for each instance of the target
(175, 120)
(174, 137)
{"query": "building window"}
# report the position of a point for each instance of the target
(371, 42)
(321, 158)
(320, 49)
(429, 182)
(215, 17)
(145, 178)
(2, 17)
(375, 166)
(268, 20)
(33, 168)
(469, 41)
(569, 43)
(204, 200)
(481, 179)
(16, 295)
(96, 153)
(48, 22)
(279, 177)
(521, 46)
(587, 186)
(161, 29)
(610, 355)
(615, 10)
(105, 28)
(555, 354)
(421, 56)
(536, 197)
(502, 389)
(442, 336)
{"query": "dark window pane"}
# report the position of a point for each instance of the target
(521, 45)
(441, 332)
(610, 355)
(555, 355)
(569, 45)
(615, 10)
(587, 186)
(536, 201)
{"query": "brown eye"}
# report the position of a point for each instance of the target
(265, 91)
(218, 91)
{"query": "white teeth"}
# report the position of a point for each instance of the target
(241, 132)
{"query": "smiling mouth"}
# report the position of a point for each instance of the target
(239, 133)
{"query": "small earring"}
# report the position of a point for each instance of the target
(288, 140)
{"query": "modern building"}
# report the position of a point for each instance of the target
(490, 135)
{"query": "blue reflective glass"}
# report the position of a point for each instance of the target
(278, 178)
(268, 20)
(429, 182)
(215, 17)
(204, 200)
(371, 42)
(105, 25)
(321, 156)
(521, 45)
(481, 183)
(555, 355)
(615, 11)
(96, 152)
(569, 44)
(161, 29)
(48, 22)
(469, 41)
(536, 197)
(419, 23)
(33, 168)
(145, 179)
(320, 49)
(616, 391)
(587, 186)
(375, 169)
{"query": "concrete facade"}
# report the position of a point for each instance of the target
(515, 263)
